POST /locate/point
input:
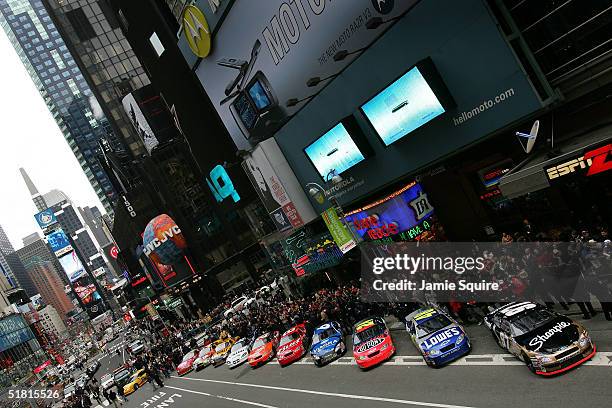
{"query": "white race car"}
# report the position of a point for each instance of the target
(239, 353)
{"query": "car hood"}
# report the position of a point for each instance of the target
(551, 337)
(294, 344)
(326, 345)
(370, 345)
(441, 338)
(186, 364)
(239, 353)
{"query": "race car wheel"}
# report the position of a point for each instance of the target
(498, 341)
(529, 363)
(318, 364)
(135, 387)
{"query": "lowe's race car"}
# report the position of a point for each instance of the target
(327, 343)
(548, 342)
(438, 337)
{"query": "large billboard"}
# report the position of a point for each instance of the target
(14, 330)
(268, 57)
(59, 242)
(73, 267)
(45, 218)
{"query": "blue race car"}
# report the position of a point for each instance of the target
(438, 337)
(327, 343)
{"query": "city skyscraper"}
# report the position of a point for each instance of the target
(49, 285)
(12, 268)
(62, 85)
(93, 35)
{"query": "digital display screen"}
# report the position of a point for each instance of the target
(57, 241)
(72, 266)
(259, 96)
(87, 292)
(246, 112)
(405, 105)
(334, 151)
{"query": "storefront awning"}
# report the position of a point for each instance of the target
(574, 155)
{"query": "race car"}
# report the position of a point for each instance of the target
(203, 359)
(438, 337)
(372, 343)
(238, 354)
(263, 349)
(138, 379)
(221, 352)
(186, 365)
(293, 345)
(548, 342)
(327, 343)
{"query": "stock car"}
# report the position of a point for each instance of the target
(186, 365)
(548, 342)
(327, 343)
(204, 358)
(138, 379)
(372, 343)
(222, 351)
(438, 337)
(238, 354)
(293, 345)
(263, 349)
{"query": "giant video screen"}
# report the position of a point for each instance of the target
(335, 151)
(72, 265)
(402, 107)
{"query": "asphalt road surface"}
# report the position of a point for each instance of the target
(485, 378)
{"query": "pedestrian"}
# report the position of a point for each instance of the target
(114, 399)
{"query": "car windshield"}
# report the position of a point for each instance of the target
(530, 321)
(329, 332)
(135, 344)
(122, 374)
(135, 376)
(220, 347)
(235, 302)
(106, 377)
(368, 333)
(432, 325)
(204, 352)
(189, 356)
(289, 338)
(260, 342)
(237, 346)
(69, 388)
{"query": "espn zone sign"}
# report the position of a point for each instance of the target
(596, 161)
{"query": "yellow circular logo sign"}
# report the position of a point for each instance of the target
(196, 31)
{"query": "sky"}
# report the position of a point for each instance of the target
(30, 138)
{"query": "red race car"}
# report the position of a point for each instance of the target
(186, 364)
(263, 349)
(372, 343)
(293, 345)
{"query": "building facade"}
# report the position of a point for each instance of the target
(12, 268)
(62, 85)
(49, 285)
(52, 322)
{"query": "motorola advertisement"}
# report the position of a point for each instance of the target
(264, 52)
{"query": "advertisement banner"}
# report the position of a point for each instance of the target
(271, 191)
(139, 121)
(339, 232)
(59, 242)
(267, 57)
(73, 267)
(45, 218)
(14, 331)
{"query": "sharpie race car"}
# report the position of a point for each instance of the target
(222, 350)
(438, 337)
(293, 345)
(549, 343)
(372, 342)
(263, 349)
(327, 343)
(204, 358)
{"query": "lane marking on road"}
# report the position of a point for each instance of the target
(329, 394)
(257, 404)
(602, 359)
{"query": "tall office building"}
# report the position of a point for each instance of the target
(34, 247)
(49, 285)
(94, 37)
(12, 268)
(62, 85)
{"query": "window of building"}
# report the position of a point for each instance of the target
(81, 24)
(157, 45)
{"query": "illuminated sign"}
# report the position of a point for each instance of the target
(129, 207)
(596, 161)
(197, 31)
(114, 252)
(221, 184)
(59, 242)
(400, 216)
(139, 281)
(45, 218)
(156, 242)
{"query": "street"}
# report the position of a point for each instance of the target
(484, 378)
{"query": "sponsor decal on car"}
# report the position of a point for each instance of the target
(538, 341)
(370, 344)
(440, 337)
